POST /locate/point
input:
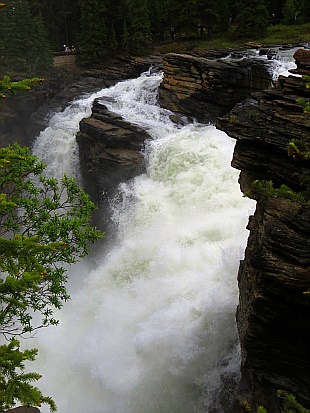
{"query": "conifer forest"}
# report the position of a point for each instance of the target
(31, 30)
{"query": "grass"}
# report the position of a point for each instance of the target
(278, 34)
(288, 34)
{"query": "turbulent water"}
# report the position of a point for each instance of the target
(152, 328)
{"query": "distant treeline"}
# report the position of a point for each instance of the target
(31, 29)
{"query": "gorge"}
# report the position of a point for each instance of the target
(155, 319)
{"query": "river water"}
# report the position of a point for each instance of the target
(151, 326)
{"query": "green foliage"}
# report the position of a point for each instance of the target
(93, 39)
(138, 26)
(306, 78)
(15, 384)
(299, 149)
(264, 189)
(23, 85)
(261, 409)
(23, 42)
(290, 404)
(43, 224)
(232, 118)
(305, 105)
(212, 16)
(292, 11)
(252, 19)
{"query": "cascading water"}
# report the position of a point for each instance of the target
(152, 328)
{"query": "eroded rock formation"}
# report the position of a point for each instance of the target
(274, 312)
(110, 151)
(204, 88)
(24, 115)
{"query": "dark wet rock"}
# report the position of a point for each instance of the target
(110, 151)
(273, 315)
(204, 88)
(24, 115)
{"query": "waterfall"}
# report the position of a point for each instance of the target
(152, 328)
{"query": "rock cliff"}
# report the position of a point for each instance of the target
(205, 87)
(24, 115)
(110, 151)
(274, 312)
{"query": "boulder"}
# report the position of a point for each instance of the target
(302, 58)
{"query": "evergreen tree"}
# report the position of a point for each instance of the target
(115, 17)
(41, 58)
(43, 224)
(252, 19)
(24, 85)
(138, 25)
(213, 17)
(15, 384)
(275, 10)
(61, 19)
(305, 12)
(23, 43)
(183, 18)
(292, 11)
(159, 20)
(93, 40)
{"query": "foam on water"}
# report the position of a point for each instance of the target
(152, 328)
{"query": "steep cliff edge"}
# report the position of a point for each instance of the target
(204, 88)
(24, 115)
(110, 151)
(273, 315)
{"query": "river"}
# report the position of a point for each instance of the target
(151, 324)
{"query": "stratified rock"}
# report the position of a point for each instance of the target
(110, 151)
(273, 316)
(264, 127)
(24, 115)
(204, 88)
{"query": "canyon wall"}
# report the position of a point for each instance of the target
(25, 114)
(206, 87)
(273, 315)
(274, 310)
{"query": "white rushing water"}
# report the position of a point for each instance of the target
(152, 328)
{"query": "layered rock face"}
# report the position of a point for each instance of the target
(204, 88)
(24, 115)
(274, 312)
(110, 151)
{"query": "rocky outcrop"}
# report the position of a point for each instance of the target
(203, 88)
(110, 151)
(24, 115)
(273, 315)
